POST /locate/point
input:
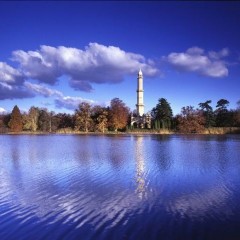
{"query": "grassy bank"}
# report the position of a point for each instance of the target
(214, 130)
(222, 130)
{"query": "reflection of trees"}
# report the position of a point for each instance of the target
(83, 152)
(17, 154)
(163, 149)
(15, 151)
(116, 153)
(140, 167)
(161, 137)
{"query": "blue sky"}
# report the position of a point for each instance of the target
(57, 54)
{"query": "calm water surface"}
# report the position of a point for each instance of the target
(119, 187)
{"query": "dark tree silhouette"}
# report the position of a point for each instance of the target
(162, 114)
(222, 114)
(207, 113)
(43, 120)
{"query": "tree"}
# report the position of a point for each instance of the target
(44, 120)
(222, 104)
(4, 119)
(30, 121)
(190, 120)
(65, 120)
(238, 105)
(100, 118)
(118, 114)
(238, 114)
(83, 118)
(222, 114)
(207, 113)
(15, 122)
(163, 113)
(54, 121)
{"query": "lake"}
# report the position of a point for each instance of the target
(119, 187)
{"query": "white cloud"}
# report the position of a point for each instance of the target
(218, 55)
(194, 60)
(95, 64)
(60, 101)
(81, 85)
(35, 64)
(42, 90)
(9, 75)
(2, 110)
(11, 81)
(195, 51)
(14, 92)
(71, 102)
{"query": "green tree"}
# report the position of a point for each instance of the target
(118, 114)
(44, 120)
(65, 120)
(237, 118)
(238, 105)
(15, 122)
(207, 113)
(83, 120)
(163, 113)
(222, 113)
(54, 121)
(4, 119)
(222, 104)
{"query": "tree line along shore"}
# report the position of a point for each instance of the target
(116, 118)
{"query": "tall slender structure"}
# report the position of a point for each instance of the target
(140, 105)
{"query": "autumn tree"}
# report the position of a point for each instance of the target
(15, 122)
(100, 118)
(118, 114)
(190, 120)
(207, 113)
(162, 114)
(30, 120)
(83, 118)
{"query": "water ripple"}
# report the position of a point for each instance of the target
(124, 187)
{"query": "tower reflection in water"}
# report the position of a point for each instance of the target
(140, 168)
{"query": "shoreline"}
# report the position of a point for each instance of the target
(210, 131)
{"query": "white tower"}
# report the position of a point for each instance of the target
(139, 105)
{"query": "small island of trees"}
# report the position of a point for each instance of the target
(117, 118)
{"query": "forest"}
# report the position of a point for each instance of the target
(117, 117)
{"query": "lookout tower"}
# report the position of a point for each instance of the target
(139, 119)
(140, 105)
